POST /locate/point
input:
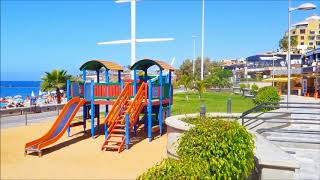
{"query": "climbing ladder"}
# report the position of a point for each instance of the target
(123, 117)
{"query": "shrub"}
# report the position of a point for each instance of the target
(242, 87)
(267, 94)
(254, 89)
(213, 149)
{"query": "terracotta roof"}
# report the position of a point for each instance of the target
(98, 64)
(144, 64)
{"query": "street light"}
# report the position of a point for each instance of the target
(202, 41)
(304, 6)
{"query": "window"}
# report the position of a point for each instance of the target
(318, 37)
(311, 38)
(312, 32)
(310, 43)
(302, 43)
(293, 32)
(302, 31)
(318, 43)
(302, 37)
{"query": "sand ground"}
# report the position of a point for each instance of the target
(77, 157)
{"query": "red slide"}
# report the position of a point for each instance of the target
(58, 128)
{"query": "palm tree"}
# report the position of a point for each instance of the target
(55, 80)
(185, 80)
(200, 86)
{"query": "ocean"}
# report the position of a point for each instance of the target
(23, 88)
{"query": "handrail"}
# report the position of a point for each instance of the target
(277, 105)
(137, 104)
(117, 106)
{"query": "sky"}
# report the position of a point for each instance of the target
(38, 36)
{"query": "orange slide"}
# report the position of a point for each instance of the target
(58, 128)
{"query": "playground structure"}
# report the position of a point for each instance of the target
(133, 103)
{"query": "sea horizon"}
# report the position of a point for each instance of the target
(23, 88)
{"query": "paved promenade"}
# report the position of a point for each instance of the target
(305, 147)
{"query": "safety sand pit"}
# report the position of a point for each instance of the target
(77, 157)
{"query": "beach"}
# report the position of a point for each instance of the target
(77, 157)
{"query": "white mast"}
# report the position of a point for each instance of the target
(133, 32)
(133, 39)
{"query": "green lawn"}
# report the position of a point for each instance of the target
(214, 101)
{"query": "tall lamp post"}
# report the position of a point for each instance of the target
(202, 41)
(305, 6)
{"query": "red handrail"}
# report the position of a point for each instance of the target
(137, 104)
(117, 107)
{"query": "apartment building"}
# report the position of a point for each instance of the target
(307, 33)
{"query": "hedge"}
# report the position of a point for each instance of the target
(213, 149)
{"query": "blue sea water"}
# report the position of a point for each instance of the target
(23, 88)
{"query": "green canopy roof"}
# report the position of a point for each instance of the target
(98, 64)
(144, 64)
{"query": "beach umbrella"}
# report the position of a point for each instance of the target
(32, 94)
(53, 92)
(17, 96)
(8, 97)
(18, 100)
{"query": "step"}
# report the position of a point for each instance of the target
(120, 125)
(115, 139)
(118, 130)
(117, 135)
(111, 146)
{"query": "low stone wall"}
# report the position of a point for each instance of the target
(31, 109)
(271, 161)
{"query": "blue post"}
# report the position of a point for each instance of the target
(68, 89)
(134, 82)
(105, 125)
(84, 108)
(150, 110)
(107, 79)
(105, 131)
(145, 75)
(98, 118)
(107, 76)
(98, 76)
(84, 117)
(121, 85)
(127, 131)
(92, 107)
(68, 98)
(170, 94)
(119, 76)
(160, 102)
(145, 118)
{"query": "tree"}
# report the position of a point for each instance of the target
(219, 77)
(55, 80)
(185, 81)
(200, 86)
(186, 68)
(283, 43)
